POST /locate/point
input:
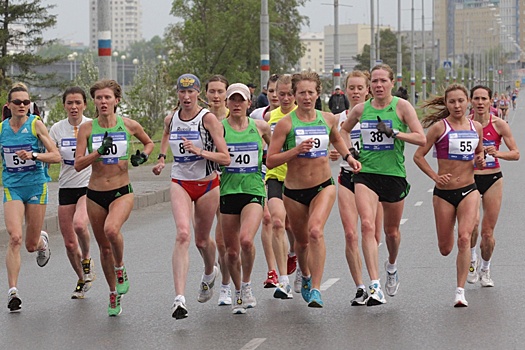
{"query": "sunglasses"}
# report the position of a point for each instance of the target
(19, 102)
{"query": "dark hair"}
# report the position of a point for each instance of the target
(439, 105)
(481, 87)
(386, 67)
(273, 79)
(74, 90)
(309, 76)
(219, 78)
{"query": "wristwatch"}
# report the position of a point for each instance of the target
(395, 132)
(34, 155)
(162, 155)
(345, 157)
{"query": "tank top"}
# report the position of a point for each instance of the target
(243, 175)
(491, 138)
(355, 136)
(279, 172)
(188, 166)
(316, 129)
(17, 172)
(121, 138)
(457, 144)
(381, 154)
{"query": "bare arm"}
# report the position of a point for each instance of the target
(82, 160)
(221, 155)
(264, 130)
(480, 152)
(339, 144)
(504, 130)
(138, 131)
(419, 156)
(52, 155)
(408, 115)
(164, 143)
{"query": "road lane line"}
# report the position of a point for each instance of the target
(403, 221)
(418, 204)
(329, 282)
(253, 344)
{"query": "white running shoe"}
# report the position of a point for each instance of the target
(238, 306)
(179, 310)
(248, 299)
(14, 301)
(392, 282)
(376, 296)
(484, 278)
(298, 281)
(460, 300)
(88, 270)
(283, 291)
(225, 296)
(473, 272)
(206, 288)
(43, 255)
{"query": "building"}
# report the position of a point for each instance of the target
(313, 58)
(126, 24)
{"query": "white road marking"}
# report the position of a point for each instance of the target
(253, 344)
(431, 190)
(329, 282)
(418, 204)
(403, 221)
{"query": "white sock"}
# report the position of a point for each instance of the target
(376, 281)
(291, 254)
(473, 254)
(181, 298)
(485, 265)
(225, 286)
(208, 278)
(460, 290)
(284, 280)
(391, 267)
(245, 284)
(12, 290)
(362, 286)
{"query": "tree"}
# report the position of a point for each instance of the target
(223, 37)
(21, 27)
(148, 100)
(388, 52)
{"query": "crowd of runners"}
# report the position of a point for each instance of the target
(270, 168)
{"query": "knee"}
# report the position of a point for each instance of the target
(463, 242)
(267, 219)
(71, 245)
(232, 254)
(445, 249)
(246, 244)
(111, 233)
(105, 251)
(367, 227)
(15, 242)
(202, 243)
(315, 234)
(79, 227)
(351, 238)
(277, 225)
(183, 237)
(391, 232)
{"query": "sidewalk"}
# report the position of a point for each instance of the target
(148, 189)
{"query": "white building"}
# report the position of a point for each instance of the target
(313, 58)
(126, 23)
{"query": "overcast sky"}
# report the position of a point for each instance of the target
(73, 16)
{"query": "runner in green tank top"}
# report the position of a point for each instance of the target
(242, 192)
(385, 121)
(109, 194)
(301, 139)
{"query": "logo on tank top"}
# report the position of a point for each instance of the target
(182, 128)
(390, 109)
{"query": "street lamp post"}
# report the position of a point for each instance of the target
(115, 56)
(75, 55)
(70, 58)
(136, 64)
(123, 58)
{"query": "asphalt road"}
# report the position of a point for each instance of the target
(420, 316)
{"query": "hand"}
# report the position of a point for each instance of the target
(305, 146)
(157, 169)
(354, 152)
(138, 158)
(354, 164)
(334, 155)
(107, 143)
(382, 127)
(480, 161)
(443, 179)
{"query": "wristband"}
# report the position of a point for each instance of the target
(162, 155)
(345, 157)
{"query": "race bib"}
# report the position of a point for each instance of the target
(462, 144)
(117, 150)
(67, 150)
(373, 140)
(490, 161)
(13, 163)
(181, 155)
(355, 135)
(244, 157)
(321, 140)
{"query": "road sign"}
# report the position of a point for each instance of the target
(447, 64)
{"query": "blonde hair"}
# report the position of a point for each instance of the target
(439, 106)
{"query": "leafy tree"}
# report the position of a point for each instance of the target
(148, 100)
(147, 51)
(388, 52)
(21, 25)
(223, 37)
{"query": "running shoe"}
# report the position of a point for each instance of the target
(298, 281)
(79, 290)
(484, 278)
(361, 296)
(225, 296)
(179, 310)
(238, 306)
(284, 291)
(122, 280)
(206, 288)
(460, 300)
(248, 299)
(392, 282)
(291, 264)
(272, 281)
(14, 301)
(114, 308)
(306, 285)
(315, 299)
(43, 255)
(88, 268)
(376, 295)
(473, 272)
